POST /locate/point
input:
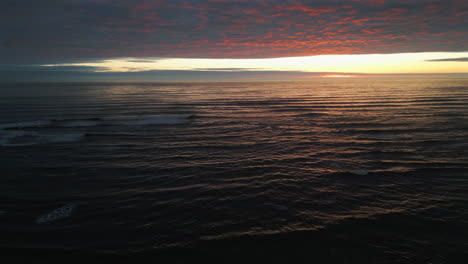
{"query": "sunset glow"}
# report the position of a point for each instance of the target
(404, 63)
(234, 131)
(220, 39)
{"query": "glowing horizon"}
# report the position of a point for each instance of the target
(400, 63)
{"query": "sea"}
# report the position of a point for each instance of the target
(343, 170)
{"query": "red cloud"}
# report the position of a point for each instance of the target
(234, 29)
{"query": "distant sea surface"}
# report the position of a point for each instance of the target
(133, 167)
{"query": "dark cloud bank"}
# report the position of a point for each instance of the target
(84, 73)
(68, 30)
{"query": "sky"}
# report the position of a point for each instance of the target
(171, 40)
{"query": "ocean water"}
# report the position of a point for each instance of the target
(132, 167)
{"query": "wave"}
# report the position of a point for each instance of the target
(159, 120)
(79, 123)
(28, 124)
(29, 138)
(347, 168)
(57, 214)
(91, 122)
(71, 137)
(13, 134)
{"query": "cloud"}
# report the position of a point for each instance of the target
(68, 30)
(58, 75)
(31, 73)
(451, 59)
(49, 69)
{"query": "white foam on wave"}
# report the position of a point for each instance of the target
(130, 120)
(29, 138)
(49, 123)
(57, 214)
(17, 138)
(29, 124)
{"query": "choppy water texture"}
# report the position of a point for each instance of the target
(130, 167)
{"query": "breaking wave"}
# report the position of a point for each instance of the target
(90, 122)
(29, 138)
(28, 124)
(14, 134)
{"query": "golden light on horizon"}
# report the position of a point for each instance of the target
(400, 63)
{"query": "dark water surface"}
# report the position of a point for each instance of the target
(142, 166)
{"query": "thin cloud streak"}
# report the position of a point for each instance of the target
(82, 74)
(451, 59)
